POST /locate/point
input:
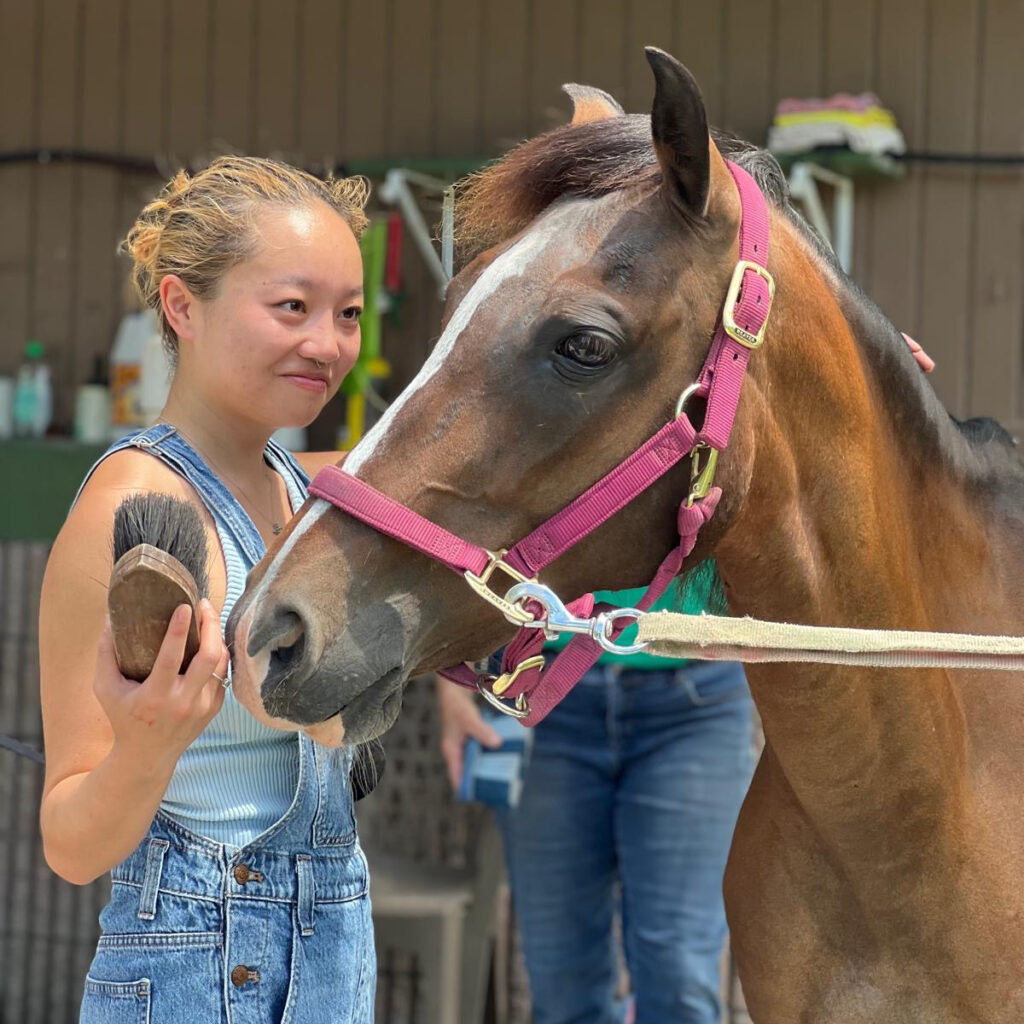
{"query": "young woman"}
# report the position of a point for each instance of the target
(238, 882)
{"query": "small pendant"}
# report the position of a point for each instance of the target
(277, 529)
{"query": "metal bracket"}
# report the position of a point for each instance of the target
(803, 186)
(396, 190)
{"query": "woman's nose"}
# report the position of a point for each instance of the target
(324, 343)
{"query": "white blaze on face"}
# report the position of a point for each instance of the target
(558, 226)
(317, 509)
(550, 229)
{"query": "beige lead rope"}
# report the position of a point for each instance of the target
(722, 638)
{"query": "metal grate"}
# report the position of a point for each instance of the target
(48, 928)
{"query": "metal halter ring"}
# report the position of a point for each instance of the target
(687, 394)
(520, 709)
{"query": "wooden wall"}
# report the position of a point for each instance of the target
(336, 80)
(325, 81)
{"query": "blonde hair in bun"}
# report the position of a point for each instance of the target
(199, 227)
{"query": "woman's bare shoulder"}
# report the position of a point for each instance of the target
(119, 475)
(313, 462)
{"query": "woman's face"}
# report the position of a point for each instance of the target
(283, 328)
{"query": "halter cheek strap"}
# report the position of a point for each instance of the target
(533, 688)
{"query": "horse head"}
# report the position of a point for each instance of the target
(601, 252)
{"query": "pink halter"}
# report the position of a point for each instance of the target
(533, 688)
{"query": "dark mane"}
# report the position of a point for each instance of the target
(599, 157)
(982, 429)
(591, 159)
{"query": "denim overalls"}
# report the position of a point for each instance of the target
(277, 930)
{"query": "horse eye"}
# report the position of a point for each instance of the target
(586, 349)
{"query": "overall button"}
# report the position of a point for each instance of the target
(243, 873)
(241, 974)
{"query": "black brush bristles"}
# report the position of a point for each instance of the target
(168, 523)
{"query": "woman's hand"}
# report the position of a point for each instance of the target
(921, 357)
(155, 720)
(460, 719)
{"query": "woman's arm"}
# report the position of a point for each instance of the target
(111, 744)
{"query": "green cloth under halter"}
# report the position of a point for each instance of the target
(695, 597)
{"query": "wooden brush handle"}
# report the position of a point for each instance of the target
(146, 585)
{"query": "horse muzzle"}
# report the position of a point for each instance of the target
(286, 675)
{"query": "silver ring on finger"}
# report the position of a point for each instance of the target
(224, 681)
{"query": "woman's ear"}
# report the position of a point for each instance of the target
(179, 305)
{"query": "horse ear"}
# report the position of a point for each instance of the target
(679, 126)
(590, 104)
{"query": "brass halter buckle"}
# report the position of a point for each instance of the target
(506, 679)
(701, 477)
(729, 325)
(516, 615)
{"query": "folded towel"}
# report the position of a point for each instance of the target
(858, 122)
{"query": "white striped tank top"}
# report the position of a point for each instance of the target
(239, 776)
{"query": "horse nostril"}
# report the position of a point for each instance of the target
(287, 649)
(280, 631)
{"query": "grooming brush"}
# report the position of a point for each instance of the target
(159, 563)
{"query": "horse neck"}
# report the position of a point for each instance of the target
(858, 513)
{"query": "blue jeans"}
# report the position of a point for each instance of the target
(277, 931)
(629, 802)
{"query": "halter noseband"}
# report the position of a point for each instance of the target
(532, 688)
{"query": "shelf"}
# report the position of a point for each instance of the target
(40, 479)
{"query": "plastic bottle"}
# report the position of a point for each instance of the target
(154, 376)
(44, 397)
(126, 370)
(6, 408)
(33, 394)
(92, 407)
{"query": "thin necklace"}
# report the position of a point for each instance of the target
(275, 526)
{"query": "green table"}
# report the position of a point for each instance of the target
(846, 162)
(38, 480)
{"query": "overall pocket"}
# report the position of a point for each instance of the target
(115, 1002)
(334, 824)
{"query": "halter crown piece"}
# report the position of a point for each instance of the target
(528, 688)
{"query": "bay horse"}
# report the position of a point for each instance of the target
(875, 871)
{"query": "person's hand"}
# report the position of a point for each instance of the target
(155, 720)
(460, 719)
(924, 360)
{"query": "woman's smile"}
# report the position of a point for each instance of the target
(316, 384)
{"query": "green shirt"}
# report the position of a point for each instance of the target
(694, 601)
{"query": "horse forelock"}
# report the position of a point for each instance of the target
(588, 160)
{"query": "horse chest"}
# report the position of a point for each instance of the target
(816, 941)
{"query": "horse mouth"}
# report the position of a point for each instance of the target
(364, 717)
(372, 712)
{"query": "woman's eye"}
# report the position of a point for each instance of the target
(352, 313)
(294, 305)
(587, 349)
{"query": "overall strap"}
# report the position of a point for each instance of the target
(288, 461)
(136, 439)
